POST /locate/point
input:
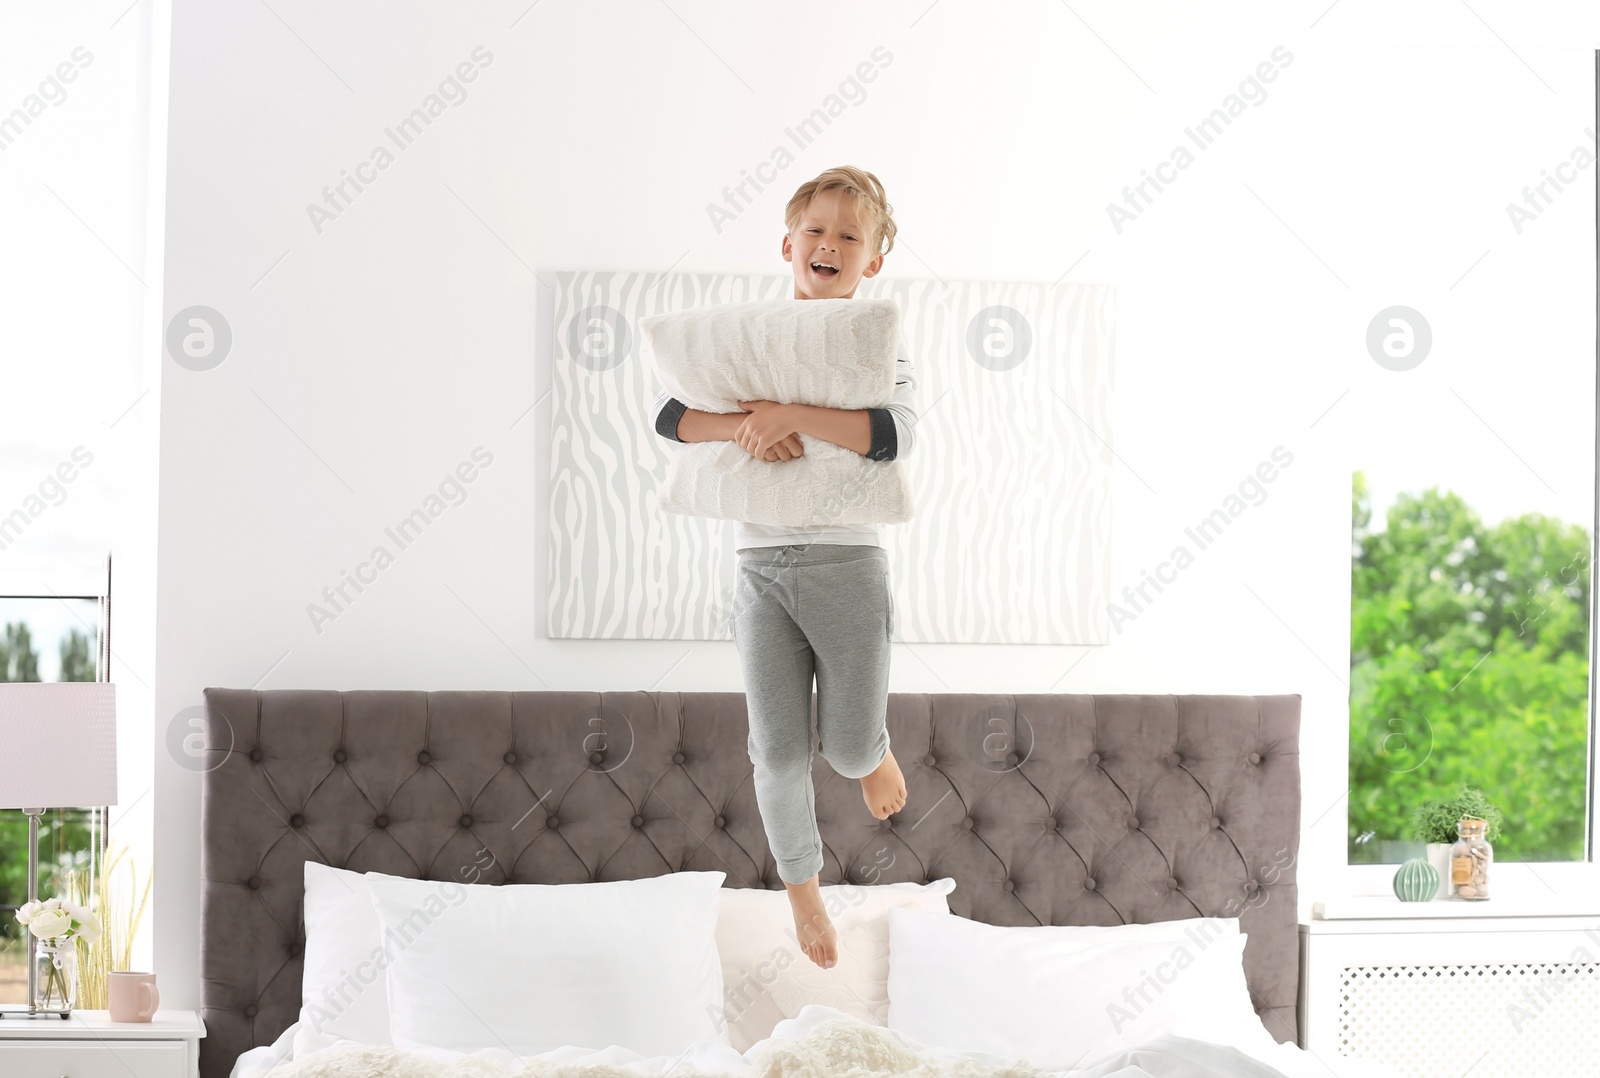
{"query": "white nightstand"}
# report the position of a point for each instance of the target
(89, 1045)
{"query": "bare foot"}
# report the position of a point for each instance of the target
(885, 789)
(813, 929)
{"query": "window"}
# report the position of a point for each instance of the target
(44, 639)
(1469, 663)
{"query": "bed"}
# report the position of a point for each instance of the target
(1046, 809)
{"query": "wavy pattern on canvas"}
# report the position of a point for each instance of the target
(1011, 478)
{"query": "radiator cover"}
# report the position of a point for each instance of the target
(1454, 996)
(1534, 1018)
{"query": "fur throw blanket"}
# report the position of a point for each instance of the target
(837, 1048)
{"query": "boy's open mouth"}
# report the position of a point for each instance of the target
(824, 270)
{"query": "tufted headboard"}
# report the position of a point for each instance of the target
(1045, 809)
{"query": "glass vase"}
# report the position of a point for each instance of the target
(56, 967)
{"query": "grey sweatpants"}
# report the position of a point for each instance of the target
(823, 610)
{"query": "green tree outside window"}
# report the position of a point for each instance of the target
(77, 657)
(1469, 662)
(18, 660)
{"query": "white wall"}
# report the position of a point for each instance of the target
(368, 359)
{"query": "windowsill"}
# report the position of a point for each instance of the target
(1519, 890)
(1377, 907)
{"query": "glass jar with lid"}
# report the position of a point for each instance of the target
(1470, 859)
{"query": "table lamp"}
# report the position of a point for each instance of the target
(58, 749)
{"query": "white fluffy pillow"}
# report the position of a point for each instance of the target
(1064, 1000)
(832, 353)
(1198, 929)
(342, 993)
(767, 978)
(534, 967)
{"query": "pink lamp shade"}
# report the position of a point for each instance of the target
(58, 744)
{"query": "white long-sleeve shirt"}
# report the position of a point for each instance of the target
(893, 437)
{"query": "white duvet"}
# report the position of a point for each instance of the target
(820, 1043)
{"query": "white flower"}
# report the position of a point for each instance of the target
(49, 923)
(26, 911)
(89, 927)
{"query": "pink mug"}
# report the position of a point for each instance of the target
(131, 997)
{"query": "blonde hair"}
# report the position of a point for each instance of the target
(859, 184)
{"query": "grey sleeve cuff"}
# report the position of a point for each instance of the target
(667, 419)
(885, 440)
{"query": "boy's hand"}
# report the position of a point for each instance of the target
(787, 449)
(768, 429)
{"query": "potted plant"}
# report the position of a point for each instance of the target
(1434, 822)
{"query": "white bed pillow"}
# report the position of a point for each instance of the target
(767, 977)
(535, 967)
(1062, 1000)
(342, 992)
(831, 353)
(1199, 929)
